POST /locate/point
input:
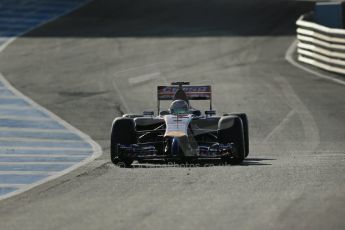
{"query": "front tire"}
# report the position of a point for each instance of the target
(122, 132)
(230, 130)
(244, 119)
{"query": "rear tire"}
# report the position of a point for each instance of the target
(122, 132)
(230, 130)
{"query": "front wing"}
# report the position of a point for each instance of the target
(149, 151)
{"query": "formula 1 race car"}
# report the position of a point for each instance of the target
(181, 133)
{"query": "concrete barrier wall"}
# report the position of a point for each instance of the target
(320, 46)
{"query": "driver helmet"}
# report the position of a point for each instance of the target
(179, 107)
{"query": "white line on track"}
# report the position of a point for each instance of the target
(289, 57)
(117, 89)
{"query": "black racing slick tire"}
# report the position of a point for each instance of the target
(122, 132)
(230, 130)
(244, 119)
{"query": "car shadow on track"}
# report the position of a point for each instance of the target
(256, 161)
(205, 163)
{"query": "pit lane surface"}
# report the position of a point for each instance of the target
(108, 57)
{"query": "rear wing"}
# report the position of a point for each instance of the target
(193, 93)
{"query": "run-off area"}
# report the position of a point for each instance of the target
(35, 145)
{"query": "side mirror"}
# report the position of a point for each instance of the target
(148, 113)
(164, 112)
(210, 113)
(196, 113)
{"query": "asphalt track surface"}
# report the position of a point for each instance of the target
(108, 57)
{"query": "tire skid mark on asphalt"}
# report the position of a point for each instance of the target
(35, 145)
(280, 126)
(310, 128)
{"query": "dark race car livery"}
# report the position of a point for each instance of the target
(180, 133)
